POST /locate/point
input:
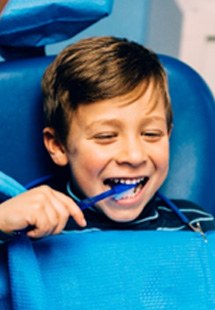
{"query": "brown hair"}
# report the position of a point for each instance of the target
(95, 69)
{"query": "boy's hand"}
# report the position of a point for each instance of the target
(43, 208)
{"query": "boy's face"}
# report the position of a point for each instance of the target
(118, 140)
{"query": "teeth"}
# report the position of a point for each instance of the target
(130, 193)
(127, 181)
(125, 195)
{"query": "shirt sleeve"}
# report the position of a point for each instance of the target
(3, 236)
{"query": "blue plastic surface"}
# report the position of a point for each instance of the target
(110, 270)
(192, 150)
(40, 22)
(23, 155)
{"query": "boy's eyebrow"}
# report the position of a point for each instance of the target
(110, 122)
(154, 118)
(117, 122)
(151, 119)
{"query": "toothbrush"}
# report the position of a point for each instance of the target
(12, 188)
(88, 202)
(116, 190)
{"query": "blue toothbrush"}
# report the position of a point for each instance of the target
(116, 190)
(12, 188)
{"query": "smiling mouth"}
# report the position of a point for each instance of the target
(131, 193)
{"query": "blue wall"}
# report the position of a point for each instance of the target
(129, 19)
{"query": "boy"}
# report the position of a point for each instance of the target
(108, 118)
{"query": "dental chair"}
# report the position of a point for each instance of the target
(192, 163)
(192, 149)
(23, 156)
(117, 269)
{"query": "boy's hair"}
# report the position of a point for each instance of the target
(95, 69)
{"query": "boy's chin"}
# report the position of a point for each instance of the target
(122, 216)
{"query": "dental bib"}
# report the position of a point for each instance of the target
(109, 270)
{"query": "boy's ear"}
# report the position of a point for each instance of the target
(54, 147)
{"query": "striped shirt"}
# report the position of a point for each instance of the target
(155, 216)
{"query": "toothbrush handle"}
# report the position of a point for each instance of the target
(118, 189)
(89, 202)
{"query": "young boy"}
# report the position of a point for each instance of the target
(108, 118)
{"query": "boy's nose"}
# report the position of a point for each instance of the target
(132, 153)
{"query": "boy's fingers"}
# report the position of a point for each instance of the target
(43, 208)
(43, 226)
(38, 233)
(64, 207)
(55, 215)
(73, 209)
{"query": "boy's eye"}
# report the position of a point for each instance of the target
(105, 137)
(152, 135)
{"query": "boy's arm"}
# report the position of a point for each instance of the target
(44, 209)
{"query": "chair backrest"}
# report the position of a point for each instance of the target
(192, 162)
(192, 149)
(22, 155)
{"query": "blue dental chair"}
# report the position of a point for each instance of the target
(24, 158)
(109, 270)
(25, 29)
